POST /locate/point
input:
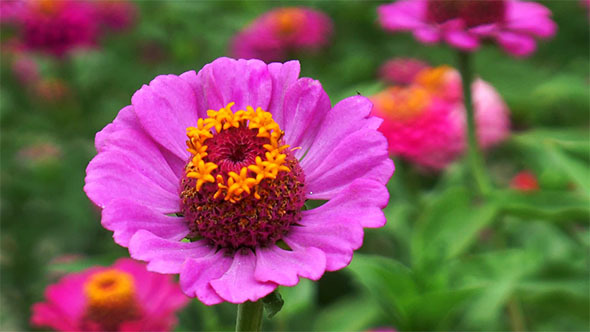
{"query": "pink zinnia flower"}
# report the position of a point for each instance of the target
(261, 142)
(420, 126)
(525, 181)
(58, 27)
(25, 69)
(514, 24)
(281, 31)
(401, 70)
(425, 122)
(122, 297)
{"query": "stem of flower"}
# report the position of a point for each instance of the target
(249, 316)
(474, 156)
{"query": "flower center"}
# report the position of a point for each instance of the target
(288, 21)
(472, 12)
(402, 103)
(110, 299)
(242, 186)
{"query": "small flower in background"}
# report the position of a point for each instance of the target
(242, 181)
(420, 126)
(58, 27)
(491, 112)
(586, 3)
(25, 69)
(274, 35)
(525, 181)
(40, 153)
(11, 11)
(122, 297)
(117, 15)
(463, 24)
(51, 90)
(401, 70)
(425, 121)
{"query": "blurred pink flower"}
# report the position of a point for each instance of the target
(491, 112)
(272, 36)
(420, 126)
(25, 69)
(425, 121)
(525, 181)
(463, 24)
(117, 14)
(11, 11)
(401, 70)
(123, 297)
(58, 27)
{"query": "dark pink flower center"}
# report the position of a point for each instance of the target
(472, 12)
(244, 155)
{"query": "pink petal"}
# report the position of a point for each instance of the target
(362, 154)
(283, 76)
(125, 217)
(165, 109)
(165, 256)
(244, 82)
(126, 119)
(113, 174)
(305, 106)
(427, 34)
(462, 39)
(402, 15)
(336, 227)
(238, 284)
(516, 44)
(285, 267)
(530, 18)
(197, 273)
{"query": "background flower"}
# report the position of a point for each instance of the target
(274, 35)
(463, 24)
(122, 297)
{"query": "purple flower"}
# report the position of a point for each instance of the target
(463, 24)
(228, 213)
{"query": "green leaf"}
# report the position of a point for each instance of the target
(554, 205)
(389, 281)
(350, 314)
(448, 227)
(273, 303)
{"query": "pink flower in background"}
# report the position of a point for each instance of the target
(525, 181)
(491, 113)
(238, 191)
(58, 27)
(463, 24)
(425, 121)
(420, 126)
(25, 69)
(118, 14)
(274, 35)
(401, 70)
(122, 297)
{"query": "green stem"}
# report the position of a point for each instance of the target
(249, 316)
(474, 156)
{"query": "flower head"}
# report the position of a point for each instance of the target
(425, 121)
(207, 174)
(272, 36)
(525, 181)
(116, 298)
(58, 27)
(463, 24)
(116, 15)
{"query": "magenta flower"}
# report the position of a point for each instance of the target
(58, 27)
(463, 24)
(122, 297)
(117, 15)
(281, 31)
(228, 214)
(401, 70)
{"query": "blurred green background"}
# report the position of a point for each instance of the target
(445, 260)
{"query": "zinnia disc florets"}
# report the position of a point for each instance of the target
(242, 186)
(472, 12)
